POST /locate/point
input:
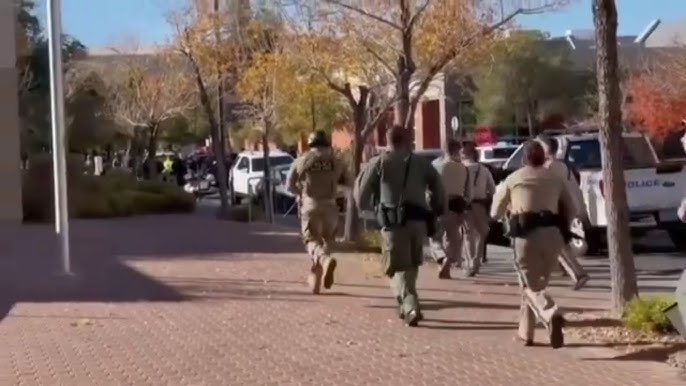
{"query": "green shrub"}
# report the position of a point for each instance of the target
(95, 206)
(157, 187)
(178, 201)
(115, 194)
(121, 204)
(119, 179)
(37, 187)
(646, 315)
(146, 203)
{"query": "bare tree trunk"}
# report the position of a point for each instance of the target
(151, 161)
(530, 120)
(217, 142)
(268, 203)
(352, 218)
(401, 110)
(127, 153)
(623, 271)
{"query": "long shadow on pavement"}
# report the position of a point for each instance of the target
(30, 266)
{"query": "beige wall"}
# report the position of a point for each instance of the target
(10, 177)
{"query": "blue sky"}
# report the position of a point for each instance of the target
(100, 23)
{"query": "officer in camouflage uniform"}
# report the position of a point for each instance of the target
(567, 259)
(539, 204)
(394, 185)
(314, 178)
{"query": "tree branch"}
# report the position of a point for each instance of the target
(364, 13)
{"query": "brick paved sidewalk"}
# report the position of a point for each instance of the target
(195, 302)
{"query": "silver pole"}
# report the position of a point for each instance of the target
(54, 21)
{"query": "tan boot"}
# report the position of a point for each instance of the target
(314, 278)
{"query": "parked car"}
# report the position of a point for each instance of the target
(249, 169)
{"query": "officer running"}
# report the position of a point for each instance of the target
(394, 184)
(313, 179)
(567, 259)
(446, 245)
(477, 224)
(539, 205)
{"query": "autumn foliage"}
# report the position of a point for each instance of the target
(658, 96)
(653, 109)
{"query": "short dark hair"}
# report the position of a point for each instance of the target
(469, 151)
(534, 155)
(453, 146)
(549, 143)
(397, 136)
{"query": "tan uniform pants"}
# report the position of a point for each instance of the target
(535, 259)
(448, 240)
(318, 222)
(569, 262)
(477, 225)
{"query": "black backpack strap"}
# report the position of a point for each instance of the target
(465, 192)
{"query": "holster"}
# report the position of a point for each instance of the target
(457, 204)
(519, 225)
(391, 216)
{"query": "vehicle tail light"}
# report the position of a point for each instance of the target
(601, 185)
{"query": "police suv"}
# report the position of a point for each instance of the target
(654, 191)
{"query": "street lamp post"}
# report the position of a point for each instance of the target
(54, 22)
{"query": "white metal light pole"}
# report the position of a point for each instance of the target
(59, 161)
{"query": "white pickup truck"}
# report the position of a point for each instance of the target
(248, 170)
(654, 191)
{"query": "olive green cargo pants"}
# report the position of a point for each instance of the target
(402, 251)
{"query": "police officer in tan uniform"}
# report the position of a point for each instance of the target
(539, 204)
(477, 224)
(567, 259)
(394, 185)
(314, 178)
(447, 244)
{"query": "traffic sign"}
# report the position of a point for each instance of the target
(455, 124)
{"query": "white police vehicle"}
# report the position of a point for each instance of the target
(249, 169)
(496, 155)
(654, 191)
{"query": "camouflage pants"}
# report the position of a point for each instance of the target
(318, 226)
(535, 259)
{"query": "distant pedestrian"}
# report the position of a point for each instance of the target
(478, 221)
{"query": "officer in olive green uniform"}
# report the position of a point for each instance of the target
(447, 244)
(478, 221)
(394, 185)
(567, 259)
(313, 179)
(539, 204)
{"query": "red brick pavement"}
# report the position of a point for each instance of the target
(216, 304)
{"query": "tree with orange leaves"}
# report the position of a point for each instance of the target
(653, 109)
